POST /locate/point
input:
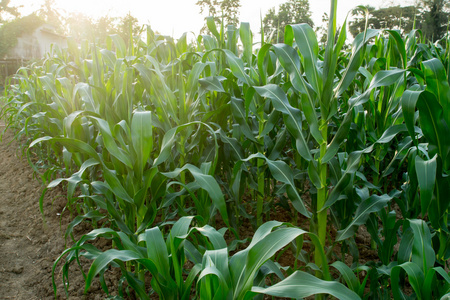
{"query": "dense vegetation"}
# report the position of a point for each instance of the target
(170, 148)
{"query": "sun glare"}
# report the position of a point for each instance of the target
(94, 9)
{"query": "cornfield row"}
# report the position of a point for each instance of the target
(164, 146)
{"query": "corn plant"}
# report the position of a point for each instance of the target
(215, 274)
(139, 131)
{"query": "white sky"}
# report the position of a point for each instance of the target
(173, 17)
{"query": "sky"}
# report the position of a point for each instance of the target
(174, 17)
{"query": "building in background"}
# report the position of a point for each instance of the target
(23, 40)
(35, 44)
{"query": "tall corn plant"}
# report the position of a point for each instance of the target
(315, 91)
(429, 166)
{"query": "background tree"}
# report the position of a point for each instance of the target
(226, 10)
(128, 25)
(50, 14)
(290, 12)
(321, 31)
(436, 18)
(393, 17)
(431, 16)
(7, 11)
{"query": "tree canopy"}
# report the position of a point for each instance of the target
(290, 12)
(6, 9)
(222, 10)
(393, 17)
(435, 18)
(431, 16)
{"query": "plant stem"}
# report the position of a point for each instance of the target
(321, 199)
(260, 195)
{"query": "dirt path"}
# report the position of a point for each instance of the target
(28, 247)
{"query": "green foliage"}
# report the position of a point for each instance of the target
(436, 18)
(9, 10)
(51, 15)
(10, 31)
(431, 17)
(393, 17)
(225, 11)
(290, 12)
(147, 134)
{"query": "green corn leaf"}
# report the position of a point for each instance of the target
(433, 125)
(352, 165)
(74, 145)
(75, 178)
(301, 285)
(209, 184)
(238, 110)
(262, 61)
(348, 274)
(238, 261)
(430, 282)
(110, 143)
(306, 41)
(104, 259)
(237, 67)
(233, 143)
(422, 253)
(391, 133)
(406, 245)
(215, 237)
(211, 83)
(355, 60)
(92, 215)
(436, 79)
(180, 228)
(157, 251)
(109, 58)
(212, 27)
(426, 176)
(246, 37)
(339, 137)
(313, 173)
(283, 173)
(85, 92)
(219, 259)
(266, 248)
(142, 138)
(381, 78)
(121, 48)
(290, 61)
(415, 276)
(205, 286)
(193, 79)
(408, 101)
(373, 204)
(48, 84)
(293, 116)
(400, 46)
(170, 139)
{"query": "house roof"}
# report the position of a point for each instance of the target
(50, 31)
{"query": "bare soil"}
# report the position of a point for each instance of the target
(28, 245)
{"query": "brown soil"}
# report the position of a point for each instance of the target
(28, 246)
